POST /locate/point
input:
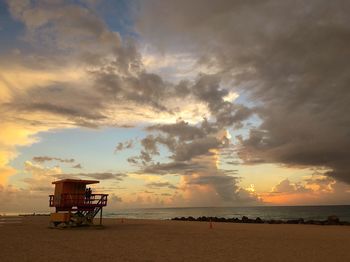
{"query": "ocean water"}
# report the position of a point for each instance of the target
(264, 212)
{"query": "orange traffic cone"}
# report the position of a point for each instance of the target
(210, 224)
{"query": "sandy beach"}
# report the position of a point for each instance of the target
(30, 239)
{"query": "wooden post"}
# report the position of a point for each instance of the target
(101, 216)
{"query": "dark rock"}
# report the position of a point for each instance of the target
(249, 220)
(259, 220)
(313, 222)
(245, 219)
(333, 220)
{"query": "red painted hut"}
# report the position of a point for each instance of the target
(75, 203)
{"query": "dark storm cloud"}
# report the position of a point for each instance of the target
(99, 176)
(207, 89)
(161, 185)
(62, 24)
(226, 186)
(145, 157)
(140, 88)
(61, 99)
(149, 143)
(115, 80)
(172, 168)
(182, 129)
(42, 159)
(194, 150)
(77, 166)
(233, 114)
(197, 147)
(193, 153)
(113, 66)
(132, 160)
(76, 35)
(183, 140)
(289, 57)
(124, 145)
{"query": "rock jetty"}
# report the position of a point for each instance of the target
(331, 220)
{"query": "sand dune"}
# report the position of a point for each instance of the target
(30, 239)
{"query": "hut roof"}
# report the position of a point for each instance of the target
(78, 181)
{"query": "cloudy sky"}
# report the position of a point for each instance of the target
(176, 103)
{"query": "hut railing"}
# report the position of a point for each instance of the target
(66, 200)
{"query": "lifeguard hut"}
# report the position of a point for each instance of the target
(75, 204)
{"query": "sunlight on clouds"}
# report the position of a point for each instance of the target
(19, 78)
(19, 128)
(174, 66)
(231, 96)
(197, 194)
(288, 198)
(263, 176)
(312, 189)
(190, 111)
(321, 183)
(251, 188)
(22, 78)
(146, 177)
(12, 135)
(5, 171)
(216, 157)
(40, 178)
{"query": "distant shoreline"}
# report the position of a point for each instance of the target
(23, 214)
(331, 220)
(317, 215)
